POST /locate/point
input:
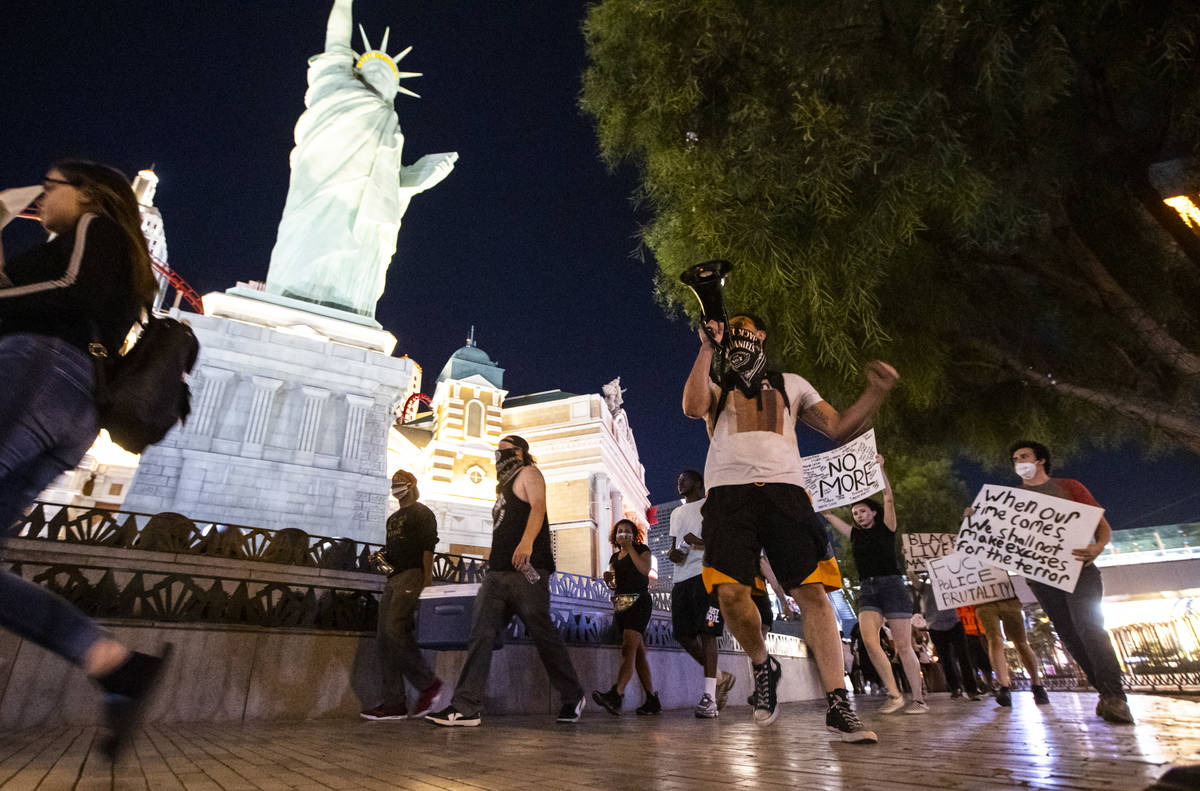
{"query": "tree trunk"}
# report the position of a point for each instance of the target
(1158, 341)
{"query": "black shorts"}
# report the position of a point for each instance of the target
(690, 603)
(637, 617)
(765, 611)
(740, 522)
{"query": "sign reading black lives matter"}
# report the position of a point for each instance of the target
(959, 579)
(1029, 533)
(920, 547)
(845, 475)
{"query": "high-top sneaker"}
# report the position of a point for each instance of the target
(766, 678)
(841, 719)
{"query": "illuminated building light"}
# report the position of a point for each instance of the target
(1188, 210)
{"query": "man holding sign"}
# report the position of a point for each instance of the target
(756, 501)
(1076, 614)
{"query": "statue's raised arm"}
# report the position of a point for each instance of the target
(340, 29)
(348, 190)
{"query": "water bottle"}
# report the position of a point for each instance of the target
(531, 574)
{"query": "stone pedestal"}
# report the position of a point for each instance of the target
(289, 424)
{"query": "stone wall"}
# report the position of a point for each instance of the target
(287, 430)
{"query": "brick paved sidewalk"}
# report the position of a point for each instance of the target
(958, 745)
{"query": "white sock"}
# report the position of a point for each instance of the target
(710, 687)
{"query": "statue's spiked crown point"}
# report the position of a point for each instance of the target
(369, 54)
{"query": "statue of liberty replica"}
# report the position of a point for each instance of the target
(348, 189)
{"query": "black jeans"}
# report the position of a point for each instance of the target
(501, 593)
(1080, 625)
(951, 645)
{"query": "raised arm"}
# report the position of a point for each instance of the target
(841, 426)
(697, 394)
(340, 29)
(889, 502)
(838, 523)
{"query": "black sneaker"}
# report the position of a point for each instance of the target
(451, 717)
(766, 677)
(128, 690)
(611, 701)
(841, 719)
(1039, 695)
(651, 706)
(1004, 698)
(1114, 709)
(570, 711)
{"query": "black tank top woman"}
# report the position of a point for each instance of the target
(628, 578)
(509, 517)
(874, 551)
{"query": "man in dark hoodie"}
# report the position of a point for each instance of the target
(411, 538)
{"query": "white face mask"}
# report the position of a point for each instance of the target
(1026, 469)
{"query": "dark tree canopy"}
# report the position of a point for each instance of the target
(971, 191)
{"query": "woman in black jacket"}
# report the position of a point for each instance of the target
(90, 282)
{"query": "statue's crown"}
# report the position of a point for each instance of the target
(380, 54)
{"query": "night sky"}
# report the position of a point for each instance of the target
(530, 238)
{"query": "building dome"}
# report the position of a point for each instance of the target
(470, 360)
(472, 353)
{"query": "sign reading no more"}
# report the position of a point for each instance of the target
(845, 475)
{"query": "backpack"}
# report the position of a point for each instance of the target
(141, 395)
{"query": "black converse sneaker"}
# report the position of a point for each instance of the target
(842, 720)
(766, 677)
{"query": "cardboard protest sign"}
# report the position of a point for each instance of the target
(959, 580)
(1029, 533)
(843, 476)
(920, 547)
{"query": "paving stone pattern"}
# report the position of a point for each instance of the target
(959, 745)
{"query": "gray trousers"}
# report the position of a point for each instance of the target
(1077, 619)
(399, 656)
(501, 594)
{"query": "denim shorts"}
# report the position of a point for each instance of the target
(886, 595)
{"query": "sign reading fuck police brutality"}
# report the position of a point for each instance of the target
(959, 580)
(845, 475)
(1029, 533)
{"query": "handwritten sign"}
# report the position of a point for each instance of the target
(920, 547)
(843, 476)
(1029, 533)
(959, 580)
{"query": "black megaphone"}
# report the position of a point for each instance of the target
(706, 281)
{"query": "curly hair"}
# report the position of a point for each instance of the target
(639, 535)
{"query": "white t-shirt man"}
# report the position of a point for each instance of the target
(686, 519)
(753, 445)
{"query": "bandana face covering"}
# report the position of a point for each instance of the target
(508, 464)
(747, 360)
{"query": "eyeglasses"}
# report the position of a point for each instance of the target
(49, 183)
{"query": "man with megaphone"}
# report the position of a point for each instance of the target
(756, 500)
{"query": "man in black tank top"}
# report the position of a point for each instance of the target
(518, 580)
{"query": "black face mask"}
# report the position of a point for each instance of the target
(747, 360)
(508, 464)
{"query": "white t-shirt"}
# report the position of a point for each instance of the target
(686, 519)
(749, 445)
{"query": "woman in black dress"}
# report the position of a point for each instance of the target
(629, 578)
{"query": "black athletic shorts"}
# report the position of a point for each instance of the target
(765, 611)
(636, 617)
(690, 603)
(742, 521)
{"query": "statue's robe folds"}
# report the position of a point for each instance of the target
(344, 201)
